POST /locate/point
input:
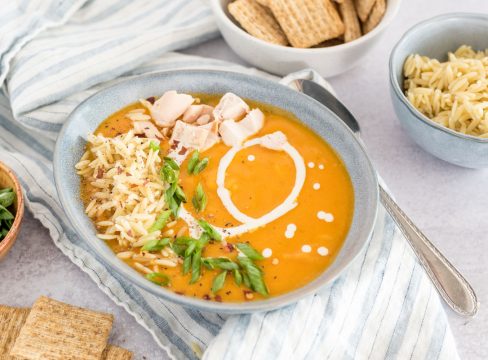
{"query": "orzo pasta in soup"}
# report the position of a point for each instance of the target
(216, 197)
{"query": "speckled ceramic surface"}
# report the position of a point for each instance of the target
(88, 115)
(434, 38)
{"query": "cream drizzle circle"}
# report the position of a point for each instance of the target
(316, 186)
(276, 141)
(306, 248)
(251, 157)
(311, 164)
(321, 166)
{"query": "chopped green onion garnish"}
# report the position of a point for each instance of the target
(156, 245)
(196, 264)
(199, 199)
(219, 281)
(249, 251)
(253, 274)
(154, 146)
(161, 221)
(193, 161)
(209, 229)
(158, 278)
(220, 263)
(171, 163)
(200, 166)
(237, 277)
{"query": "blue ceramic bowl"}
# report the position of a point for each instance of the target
(434, 38)
(89, 114)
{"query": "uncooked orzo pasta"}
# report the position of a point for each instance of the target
(453, 93)
(128, 193)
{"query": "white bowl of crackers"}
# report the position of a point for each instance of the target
(282, 36)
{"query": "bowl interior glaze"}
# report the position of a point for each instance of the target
(88, 115)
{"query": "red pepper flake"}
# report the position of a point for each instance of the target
(151, 99)
(119, 170)
(174, 145)
(228, 292)
(229, 247)
(179, 293)
(99, 173)
(183, 151)
(218, 298)
(206, 297)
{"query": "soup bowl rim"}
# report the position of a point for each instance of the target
(69, 198)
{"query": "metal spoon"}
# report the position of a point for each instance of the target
(451, 285)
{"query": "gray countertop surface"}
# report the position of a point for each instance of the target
(450, 204)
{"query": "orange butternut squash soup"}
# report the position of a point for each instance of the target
(215, 197)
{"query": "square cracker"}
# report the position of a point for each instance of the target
(351, 21)
(307, 22)
(11, 321)
(258, 21)
(113, 352)
(363, 7)
(375, 17)
(54, 330)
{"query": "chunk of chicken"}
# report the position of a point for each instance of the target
(195, 137)
(201, 114)
(169, 107)
(234, 133)
(274, 141)
(230, 107)
(147, 129)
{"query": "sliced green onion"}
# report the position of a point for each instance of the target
(219, 281)
(196, 264)
(179, 194)
(186, 264)
(154, 146)
(193, 161)
(254, 274)
(161, 221)
(200, 166)
(156, 245)
(171, 163)
(210, 230)
(237, 277)
(249, 251)
(158, 278)
(220, 263)
(199, 199)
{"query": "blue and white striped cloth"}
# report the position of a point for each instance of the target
(54, 54)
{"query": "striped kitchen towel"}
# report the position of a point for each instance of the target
(56, 53)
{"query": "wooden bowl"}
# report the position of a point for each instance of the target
(8, 179)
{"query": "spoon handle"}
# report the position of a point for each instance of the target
(452, 286)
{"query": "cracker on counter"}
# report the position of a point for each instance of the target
(307, 22)
(113, 352)
(364, 8)
(351, 21)
(375, 17)
(258, 21)
(11, 321)
(54, 330)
